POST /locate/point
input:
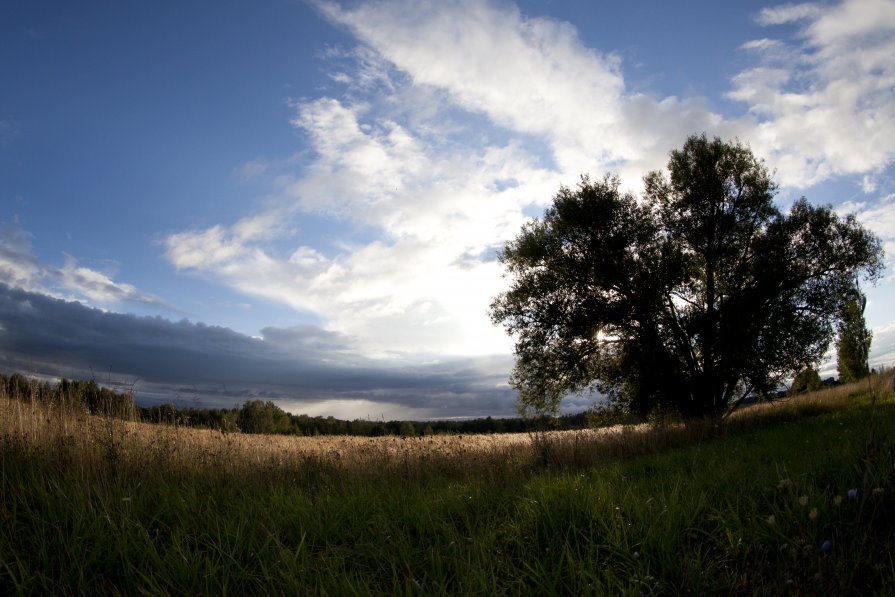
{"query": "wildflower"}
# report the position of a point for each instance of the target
(826, 546)
(813, 514)
(878, 491)
(784, 484)
(837, 500)
(772, 519)
(803, 500)
(853, 494)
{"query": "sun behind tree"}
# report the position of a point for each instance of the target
(692, 298)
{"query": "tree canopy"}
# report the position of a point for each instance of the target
(690, 298)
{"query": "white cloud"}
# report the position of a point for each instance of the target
(439, 210)
(787, 13)
(868, 183)
(853, 21)
(20, 269)
(98, 287)
(457, 116)
(762, 45)
(882, 349)
(531, 76)
(203, 249)
(879, 217)
(378, 173)
(364, 70)
(824, 106)
(251, 169)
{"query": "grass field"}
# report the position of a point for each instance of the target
(791, 498)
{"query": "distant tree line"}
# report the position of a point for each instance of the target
(87, 395)
(257, 416)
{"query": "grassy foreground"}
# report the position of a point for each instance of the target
(795, 498)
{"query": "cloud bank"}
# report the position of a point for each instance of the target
(304, 368)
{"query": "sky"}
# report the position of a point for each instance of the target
(209, 202)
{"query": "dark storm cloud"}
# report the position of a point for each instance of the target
(299, 366)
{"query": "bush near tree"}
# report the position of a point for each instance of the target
(806, 380)
(693, 297)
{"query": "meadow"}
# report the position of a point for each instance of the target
(794, 497)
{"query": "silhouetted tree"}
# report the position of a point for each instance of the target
(690, 299)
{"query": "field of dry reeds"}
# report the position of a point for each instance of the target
(98, 444)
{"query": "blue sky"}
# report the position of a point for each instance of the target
(301, 201)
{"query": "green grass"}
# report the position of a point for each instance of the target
(710, 511)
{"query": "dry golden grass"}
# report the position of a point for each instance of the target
(878, 384)
(96, 443)
(99, 445)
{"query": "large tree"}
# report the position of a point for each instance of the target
(690, 298)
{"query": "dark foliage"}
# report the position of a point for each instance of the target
(691, 299)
